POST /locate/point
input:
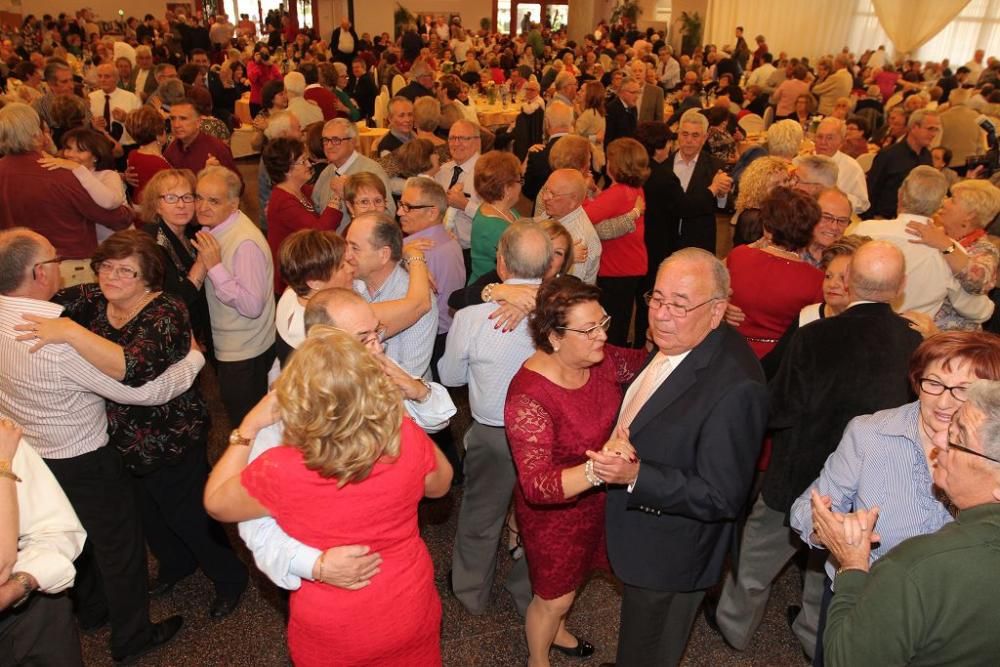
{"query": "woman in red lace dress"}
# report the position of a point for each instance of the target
(353, 471)
(562, 403)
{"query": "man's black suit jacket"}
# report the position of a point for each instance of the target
(619, 121)
(658, 190)
(834, 370)
(691, 222)
(364, 92)
(537, 171)
(339, 57)
(698, 437)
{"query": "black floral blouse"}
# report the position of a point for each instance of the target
(159, 336)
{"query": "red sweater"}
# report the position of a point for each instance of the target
(54, 204)
(286, 215)
(624, 256)
(326, 101)
(193, 156)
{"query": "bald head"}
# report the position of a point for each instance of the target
(563, 192)
(333, 306)
(877, 273)
(21, 251)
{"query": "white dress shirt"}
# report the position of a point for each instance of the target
(49, 535)
(579, 226)
(760, 76)
(459, 221)
(851, 180)
(120, 99)
(929, 279)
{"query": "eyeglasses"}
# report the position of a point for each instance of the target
(211, 201)
(173, 199)
(54, 260)
(376, 334)
(403, 206)
(550, 194)
(935, 388)
(303, 162)
(593, 332)
(960, 448)
(369, 203)
(334, 141)
(675, 309)
(462, 139)
(843, 222)
(106, 269)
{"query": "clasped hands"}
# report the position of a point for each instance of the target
(617, 462)
(847, 536)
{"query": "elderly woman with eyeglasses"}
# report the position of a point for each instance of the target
(562, 403)
(132, 331)
(290, 208)
(885, 460)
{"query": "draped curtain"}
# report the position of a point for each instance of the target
(910, 24)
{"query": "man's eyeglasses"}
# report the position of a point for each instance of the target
(960, 448)
(551, 194)
(109, 270)
(935, 388)
(843, 222)
(593, 332)
(404, 207)
(173, 199)
(334, 141)
(463, 139)
(675, 309)
(376, 334)
(54, 260)
(303, 162)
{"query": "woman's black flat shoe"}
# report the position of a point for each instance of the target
(583, 649)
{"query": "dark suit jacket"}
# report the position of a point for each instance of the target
(619, 122)
(413, 90)
(690, 102)
(834, 369)
(691, 221)
(538, 170)
(657, 189)
(364, 92)
(345, 58)
(698, 437)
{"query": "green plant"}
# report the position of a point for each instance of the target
(485, 24)
(691, 31)
(626, 9)
(402, 17)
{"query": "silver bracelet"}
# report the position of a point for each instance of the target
(588, 472)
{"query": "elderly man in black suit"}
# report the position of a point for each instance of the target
(814, 395)
(344, 42)
(622, 115)
(700, 187)
(558, 123)
(695, 416)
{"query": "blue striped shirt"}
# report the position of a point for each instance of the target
(880, 463)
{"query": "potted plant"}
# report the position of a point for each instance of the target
(485, 24)
(691, 31)
(626, 11)
(402, 17)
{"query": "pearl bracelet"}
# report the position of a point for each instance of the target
(588, 472)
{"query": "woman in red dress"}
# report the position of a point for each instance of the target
(353, 472)
(771, 282)
(560, 405)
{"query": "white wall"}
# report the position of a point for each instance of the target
(375, 16)
(106, 10)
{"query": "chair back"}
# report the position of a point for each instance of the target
(768, 117)
(751, 124)
(381, 114)
(398, 83)
(866, 160)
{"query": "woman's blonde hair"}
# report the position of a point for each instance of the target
(758, 180)
(338, 406)
(160, 181)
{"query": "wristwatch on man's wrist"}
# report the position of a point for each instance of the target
(25, 581)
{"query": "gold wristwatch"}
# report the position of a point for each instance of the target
(25, 581)
(7, 471)
(236, 438)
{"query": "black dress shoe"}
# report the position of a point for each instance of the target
(89, 627)
(708, 610)
(583, 649)
(162, 587)
(163, 632)
(224, 604)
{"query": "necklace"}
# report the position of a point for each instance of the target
(772, 249)
(510, 219)
(119, 321)
(298, 195)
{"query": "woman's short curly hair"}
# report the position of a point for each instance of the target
(758, 179)
(279, 155)
(338, 407)
(552, 305)
(128, 243)
(145, 124)
(978, 349)
(789, 216)
(414, 157)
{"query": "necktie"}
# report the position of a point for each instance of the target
(455, 175)
(107, 112)
(642, 393)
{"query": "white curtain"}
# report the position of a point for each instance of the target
(798, 28)
(909, 24)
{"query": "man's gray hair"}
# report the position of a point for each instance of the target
(279, 124)
(563, 79)
(227, 176)
(54, 67)
(985, 395)
(143, 50)
(19, 129)
(558, 114)
(399, 99)
(419, 69)
(526, 249)
(347, 126)
(715, 268)
(431, 192)
(19, 248)
(978, 197)
(172, 92)
(839, 126)
(923, 191)
(784, 138)
(821, 169)
(918, 116)
(295, 84)
(386, 232)
(695, 117)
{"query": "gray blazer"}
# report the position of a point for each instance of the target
(321, 193)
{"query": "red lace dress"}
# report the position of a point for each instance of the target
(395, 621)
(550, 428)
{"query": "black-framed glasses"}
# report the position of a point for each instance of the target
(171, 198)
(107, 269)
(675, 309)
(34, 267)
(960, 448)
(334, 141)
(826, 217)
(593, 332)
(404, 207)
(935, 388)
